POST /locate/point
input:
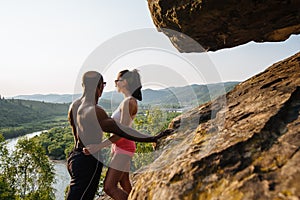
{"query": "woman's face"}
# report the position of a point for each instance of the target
(120, 84)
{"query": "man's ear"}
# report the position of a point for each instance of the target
(99, 90)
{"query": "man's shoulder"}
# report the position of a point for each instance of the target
(76, 103)
(101, 113)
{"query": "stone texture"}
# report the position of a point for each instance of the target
(244, 145)
(216, 24)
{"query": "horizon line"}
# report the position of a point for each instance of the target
(156, 89)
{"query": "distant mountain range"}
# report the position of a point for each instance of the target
(182, 96)
(49, 98)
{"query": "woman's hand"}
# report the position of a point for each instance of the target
(91, 149)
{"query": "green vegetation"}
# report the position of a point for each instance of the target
(57, 142)
(26, 173)
(6, 192)
(152, 122)
(19, 117)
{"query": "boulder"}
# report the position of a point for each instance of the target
(243, 145)
(210, 25)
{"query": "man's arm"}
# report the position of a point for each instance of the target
(109, 125)
(71, 121)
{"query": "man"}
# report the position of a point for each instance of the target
(88, 121)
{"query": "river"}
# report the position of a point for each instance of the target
(62, 177)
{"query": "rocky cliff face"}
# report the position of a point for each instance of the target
(244, 145)
(216, 24)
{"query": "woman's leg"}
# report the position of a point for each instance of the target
(114, 175)
(111, 181)
(125, 182)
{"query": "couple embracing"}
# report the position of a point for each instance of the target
(88, 121)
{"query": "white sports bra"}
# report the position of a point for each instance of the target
(117, 113)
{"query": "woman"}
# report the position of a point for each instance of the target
(129, 84)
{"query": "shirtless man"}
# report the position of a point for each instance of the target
(88, 121)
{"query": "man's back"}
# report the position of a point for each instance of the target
(86, 122)
(85, 171)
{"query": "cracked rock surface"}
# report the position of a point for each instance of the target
(244, 145)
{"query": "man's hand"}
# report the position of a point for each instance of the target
(164, 133)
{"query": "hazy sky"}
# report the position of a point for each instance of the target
(46, 45)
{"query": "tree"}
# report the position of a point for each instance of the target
(6, 192)
(31, 173)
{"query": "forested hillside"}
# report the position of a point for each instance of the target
(17, 117)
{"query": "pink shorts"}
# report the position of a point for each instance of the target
(124, 146)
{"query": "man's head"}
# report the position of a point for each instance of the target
(92, 83)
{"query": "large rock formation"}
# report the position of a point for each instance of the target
(216, 24)
(244, 146)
